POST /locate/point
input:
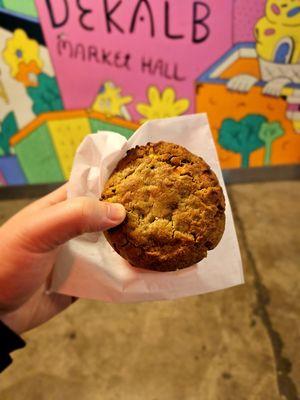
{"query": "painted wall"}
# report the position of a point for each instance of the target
(67, 70)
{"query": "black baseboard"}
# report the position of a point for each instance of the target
(26, 191)
(262, 174)
(11, 21)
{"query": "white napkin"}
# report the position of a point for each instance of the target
(88, 266)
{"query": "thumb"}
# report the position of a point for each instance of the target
(63, 221)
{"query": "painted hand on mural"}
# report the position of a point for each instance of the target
(241, 83)
(277, 37)
(110, 102)
(162, 105)
(275, 86)
(242, 136)
(30, 241)
(22, 55)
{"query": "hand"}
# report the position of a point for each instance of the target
(30, 241)
(241, 83)
(275, 86)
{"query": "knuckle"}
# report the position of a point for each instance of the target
(81, 206)
(88, 214)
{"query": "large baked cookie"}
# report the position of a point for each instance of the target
(175, 207)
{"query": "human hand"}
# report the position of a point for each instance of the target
(30, 241)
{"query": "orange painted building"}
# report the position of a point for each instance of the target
(215, 96)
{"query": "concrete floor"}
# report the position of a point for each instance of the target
(238, 344)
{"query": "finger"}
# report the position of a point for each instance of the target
(70, 218)
(231, 84)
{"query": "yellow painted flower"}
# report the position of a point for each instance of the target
(19, 50)
(110, 102)
(162, 105)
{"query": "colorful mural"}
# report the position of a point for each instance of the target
(111, 66)
(255, 80)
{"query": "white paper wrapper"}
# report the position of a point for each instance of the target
(88, 266)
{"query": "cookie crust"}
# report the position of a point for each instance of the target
(175, 207)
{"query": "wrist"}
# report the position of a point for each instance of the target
(11, 320)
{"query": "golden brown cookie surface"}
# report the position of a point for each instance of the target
(175, 207)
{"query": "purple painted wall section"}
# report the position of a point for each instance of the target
(11, 171)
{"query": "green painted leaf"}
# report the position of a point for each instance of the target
(8, 129)
(270, 131)
(242, 136)
(46, 96)
(229, 135)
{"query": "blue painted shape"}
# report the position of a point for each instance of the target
(283, 52)
(11, 170)
(293, 12)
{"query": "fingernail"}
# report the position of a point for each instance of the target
(116, 212)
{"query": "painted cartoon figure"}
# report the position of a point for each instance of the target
(110, 102)
(278, 44)
(277, 37)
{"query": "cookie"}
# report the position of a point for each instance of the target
(175, 207)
